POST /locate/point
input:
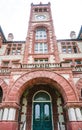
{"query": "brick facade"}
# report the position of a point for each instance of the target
(40, 64)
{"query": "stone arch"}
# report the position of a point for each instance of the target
(40, 25)
(79, 87)
(4, 87)
(67, 91)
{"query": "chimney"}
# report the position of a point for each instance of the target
(72, 35)
(10, 37)
(40, 3)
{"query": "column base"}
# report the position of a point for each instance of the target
(74, 125)
(8, 125)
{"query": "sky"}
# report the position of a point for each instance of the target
(14, 17)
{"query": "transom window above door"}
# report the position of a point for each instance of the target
(41, 96)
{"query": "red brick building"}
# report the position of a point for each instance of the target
(41, 77)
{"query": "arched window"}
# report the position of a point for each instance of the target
(41, 96)
(1, 94)
(41, 45)
(37, 112)
(41, 34)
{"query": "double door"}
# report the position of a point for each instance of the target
(42, 119)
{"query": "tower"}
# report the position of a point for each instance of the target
(41, 44)
(41, 78)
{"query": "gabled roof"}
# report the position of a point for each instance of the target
(2, 34)
(80, 34)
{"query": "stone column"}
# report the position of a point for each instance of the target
(78, 114)
(23, 115)
(71, 114)
(8, 117)
(75, 119)
(5, 114)
(1, 114)
(8, 114)
(60, 115)
(12, 114)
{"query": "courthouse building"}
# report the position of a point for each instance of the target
(41, 77)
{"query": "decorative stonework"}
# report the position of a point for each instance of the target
(28, 79)
(4, 87)
(79, 87)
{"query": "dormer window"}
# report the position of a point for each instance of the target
(69, 47)
(13, 49)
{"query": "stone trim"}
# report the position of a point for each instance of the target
(4, 87)
(79, 88)
(28, 79)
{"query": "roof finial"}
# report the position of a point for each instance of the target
(49, 3)
(10, 37)
(31, 4)
(72, 35)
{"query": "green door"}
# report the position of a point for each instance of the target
(42, 119)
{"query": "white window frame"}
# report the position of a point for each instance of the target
(41, 48)
(41, 34)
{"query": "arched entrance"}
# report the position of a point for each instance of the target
(42, 111)
(29, 78)
(42, 108)
(62, 92)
